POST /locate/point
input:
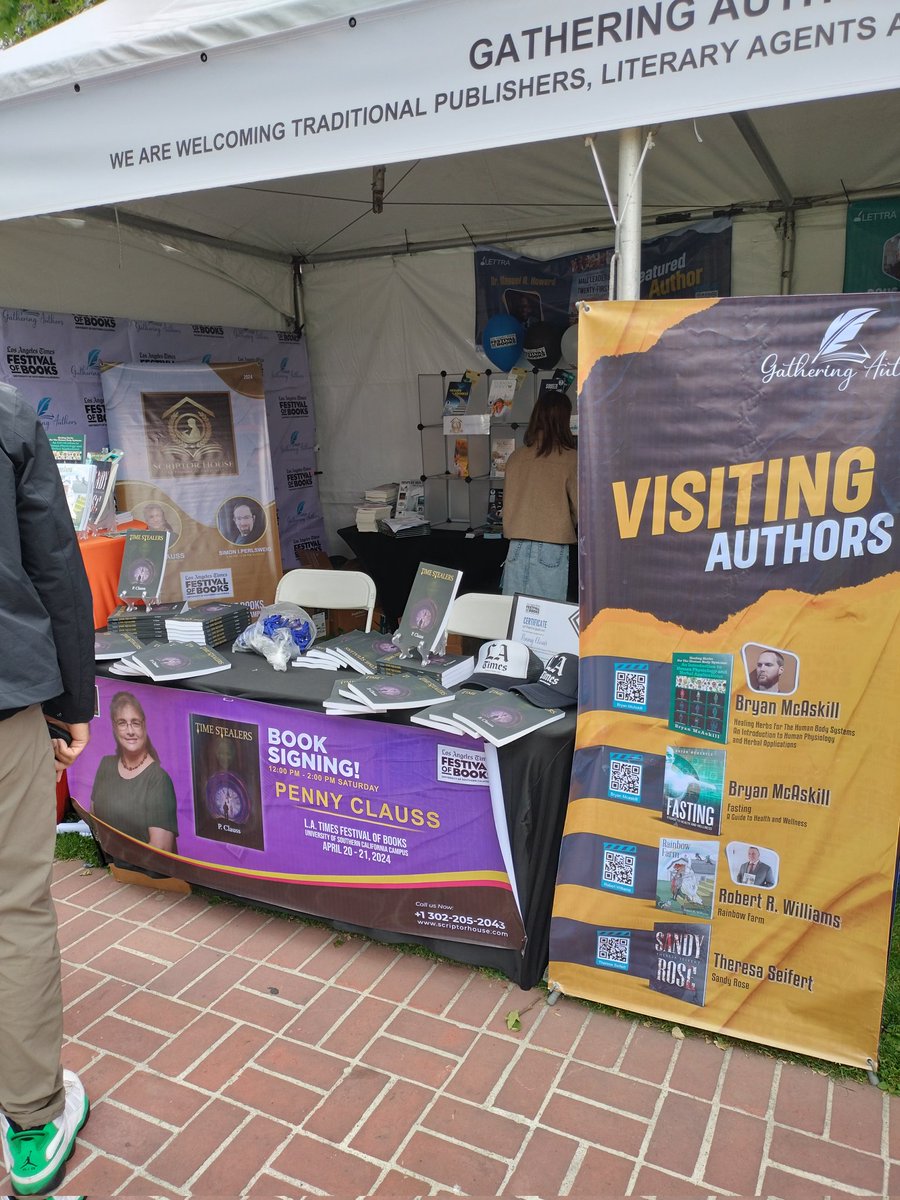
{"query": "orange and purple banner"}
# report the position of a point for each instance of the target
(384, 826)
(729, 852)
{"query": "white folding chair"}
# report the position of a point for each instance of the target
(311, 588)
(481, 615)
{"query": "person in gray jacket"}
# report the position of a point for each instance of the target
(46, 671)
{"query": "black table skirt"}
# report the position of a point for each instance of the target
(535, 776)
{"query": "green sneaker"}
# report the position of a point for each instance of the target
(36, 1158)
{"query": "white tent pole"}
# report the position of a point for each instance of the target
(628, 231)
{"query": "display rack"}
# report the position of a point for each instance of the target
(460, 501)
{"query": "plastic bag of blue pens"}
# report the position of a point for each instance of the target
(282, 632)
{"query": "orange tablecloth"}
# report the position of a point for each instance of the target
(103, 561)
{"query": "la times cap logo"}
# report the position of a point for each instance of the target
(841, 355)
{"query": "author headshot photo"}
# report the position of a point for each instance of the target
(132, 793)
(160, 516)
(749, 867)
(242, 521)
(770, 671)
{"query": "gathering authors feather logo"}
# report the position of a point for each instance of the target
(93, 358)
(841, 333)
(43, 406)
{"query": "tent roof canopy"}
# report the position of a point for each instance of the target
(463, 164)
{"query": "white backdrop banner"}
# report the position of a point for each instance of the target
(197, 463)
(54, 360)
(511, 72)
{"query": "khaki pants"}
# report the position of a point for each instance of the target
(31, 1091)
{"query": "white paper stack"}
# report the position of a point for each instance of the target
(369, 514)
(384, 493)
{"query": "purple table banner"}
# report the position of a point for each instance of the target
(386, 826)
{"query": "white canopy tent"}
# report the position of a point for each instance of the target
(191, 160)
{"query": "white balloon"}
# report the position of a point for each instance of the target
(569, 345)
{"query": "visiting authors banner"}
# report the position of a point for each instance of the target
(730, 845)
(384, 826)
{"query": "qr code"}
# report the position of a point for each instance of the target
(613, 951)
(631, 688)
(618, 870)
(625, 777)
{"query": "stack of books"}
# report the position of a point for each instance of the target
(143, 623)
(357, 650)
(384, 493)
(447, 669)
(369, 514)
(413, 525)
(339, 703)
(165, 662)
(211, 624)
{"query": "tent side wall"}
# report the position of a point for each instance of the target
(372, 325)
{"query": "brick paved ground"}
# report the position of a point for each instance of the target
(229, 1052)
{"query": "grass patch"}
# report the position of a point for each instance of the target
(75, 845)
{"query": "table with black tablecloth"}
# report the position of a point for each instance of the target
(392, 562)
(535, 779)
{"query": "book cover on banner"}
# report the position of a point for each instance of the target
(686, 876)
(701, 695)
(143, 564)
(427, 610)
(226, 784)
(681, 961)
(693, 785)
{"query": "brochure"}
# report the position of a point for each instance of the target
(501, 394)
(501, 449)
(457, 399)
(78, 484)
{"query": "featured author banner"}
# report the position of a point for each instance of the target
(736, 760)
(383, 826)
(197, 462)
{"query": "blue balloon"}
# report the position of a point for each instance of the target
(503, 339)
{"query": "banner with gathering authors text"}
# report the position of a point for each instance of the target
(730, 846)
(386, 826)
